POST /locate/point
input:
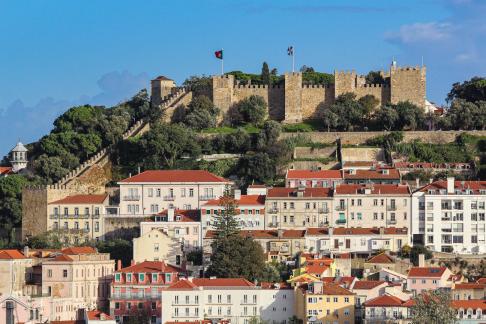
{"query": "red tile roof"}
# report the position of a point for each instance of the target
(376, 189)
(207, 282)
(481, 281)
(469, 285)
(381, 258)
(367, 284)
(475, 186)
(190, 215)
(280, 192)
(98, 315)
(386, 301)
(11, 255)
(471, 303)
(79, 250)
(182, 284)
(331, 289)
(356, 231)
(428, 272)
(264, 234)
(62, 257)
(81, 199)
(318, 266)
(151, 267)
(175, 176)
(393, 174)
(245, 200)
(311, 174)
(5, 170)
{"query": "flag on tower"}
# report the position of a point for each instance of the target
(290, 51)
(219, 54)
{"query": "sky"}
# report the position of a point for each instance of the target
(56, 54)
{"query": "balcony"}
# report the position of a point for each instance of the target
(341, 208)
(341, 221)
(131, 198)
(446, 207)
(391, 207)
(207, 197)
(135, 297)
(392, 221)
(273, 224)
(324, 210)
(74, 230)
(169, 198)
(272, 210)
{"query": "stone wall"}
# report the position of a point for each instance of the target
(408, 84)
(315, 99)
(273, 96)
(351, 154)
(314, 153)
(353, 138)
(293, 97)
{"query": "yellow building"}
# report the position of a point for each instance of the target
(324, 303)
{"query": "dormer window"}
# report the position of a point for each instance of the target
(141, 277)
(178, 218)
(155, 277)
(129, 277)
(168, 277)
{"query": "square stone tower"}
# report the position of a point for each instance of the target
(161, 87)
(223, 90)
(293, 97)
(407, 84)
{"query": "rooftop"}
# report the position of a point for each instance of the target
(210, 282)
(5, 170)
(357, 231)
(477, 187)
(314, 174)
(81, 199)
(151, 267)
(98, 315)
(374, 189)
(386, 301)
(11, 255)
(79, 250)
(281, 192)
(381, 258)
(190, 215)
(367, 284)
(174, 176)
(332, 289)
(265, 234)
(243, 201)
(471, 303)
(432, 272)
(379, 173)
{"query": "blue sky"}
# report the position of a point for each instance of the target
(56, 54)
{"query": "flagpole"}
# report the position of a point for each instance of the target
(222, 62)
(293, 60)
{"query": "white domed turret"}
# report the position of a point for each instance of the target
(18, 157)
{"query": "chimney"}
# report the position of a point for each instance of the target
(118, 265)
(102, 317)
(450, 185)
(237, 194)
(132, 262)
(431, 180)
(330, 231)
(421, 260)
(170, 214)
(138, 169)
(417, 182)
(280, 233)
(26, 251)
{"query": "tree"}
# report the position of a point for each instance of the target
(374, 77)
(467, 115)
(330, 119)
(257, 167)
(225, 222)
(50, 168)
(119, 249)
(472, 90)
(46, 240)
(270, 273)
(410, 116)
(269, 135)
(368, 104)
(266, 74)
(201, 113)
(348, 110)
(405, 251)
(418, 249)
(387, 117)
(433, 307)
(252, 109)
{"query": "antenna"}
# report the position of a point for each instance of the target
(422, 61)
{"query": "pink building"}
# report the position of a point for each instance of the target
(313, 179)
(137, 289)
(421, 279)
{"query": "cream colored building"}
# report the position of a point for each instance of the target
(150, 192)
(157, 245)
(372, 205)
(14, 269)
(298, 208)
(78, 218)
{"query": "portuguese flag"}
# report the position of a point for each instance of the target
(219, 54)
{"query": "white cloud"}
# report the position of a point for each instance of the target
(421, 32)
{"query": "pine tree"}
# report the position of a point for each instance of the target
(225, 222)
(433, 307)
(265, 74)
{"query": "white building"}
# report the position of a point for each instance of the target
(233, 299)
(449, 216)
(152, 191)
(18, 157)
(250, 211)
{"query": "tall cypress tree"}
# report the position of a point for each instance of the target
(225, 222)
(265, 74)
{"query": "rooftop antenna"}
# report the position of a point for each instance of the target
(394, 63)
(422, 61)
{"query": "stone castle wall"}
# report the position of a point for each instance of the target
(315, 99)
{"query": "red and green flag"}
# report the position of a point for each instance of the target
(219, 54)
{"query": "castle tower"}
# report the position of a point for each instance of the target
(223, 89)
(344, 81)
(407, 84)
(293, 97)
(161, 87)
(18, 157)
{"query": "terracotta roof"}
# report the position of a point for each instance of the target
(190, 215)
(356, 231)
(264, 234)
(317, 266)
(469, 285)
(175, 176)
(182, 284)
(11, 255)
(243, 201)
(381, 258)
(311, 174)
(5, 170)
(207, 282)
(79, 250)
(430, 165)
(81, 199)
(385, 301)
(151, 267)
(272, 285)
(375, 189)
(475, 186)
(63, 257)
(280, 192)
(367, 284)
(481, 281)
(358, 163)
(432, 272)
(471, 303)
(97, 315)
(330, 289)
(372, 174)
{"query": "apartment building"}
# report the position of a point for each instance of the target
(183, 226)
(150, 192)
(450, 216)
(298, 208)
(377, 175)
(231, 299)
(78, 218)
(324, 303)
(157, 245)
(470, 311)
(137, 289)
(468, 290)
(358, 241)
(15, 266)
(420, 279)
(388, 309)
(250, 211)
(313, 178)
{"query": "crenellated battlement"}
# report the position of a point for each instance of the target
(317, 86)
(257, 86)
(374, 85)
(345, 72)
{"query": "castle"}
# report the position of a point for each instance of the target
(295, 101)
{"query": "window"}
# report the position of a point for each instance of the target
(49, 273)
(346, 299)
(157, 192)
(117, 305)
(97, 211)
(168, 277)
(141, 277)
(76, 211)
(150, 192)
(359, 202)
(360, 216)
(155, 277)
(183, 192)
(86, 211)
(129, 305)
(117, 277)
(64, 273)
(129, 277)
(156, 247)
(292, 205)
(154, 306)
(140, 305)
(191, 192)
(66, 211)
(375, 202)
(335, 299)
